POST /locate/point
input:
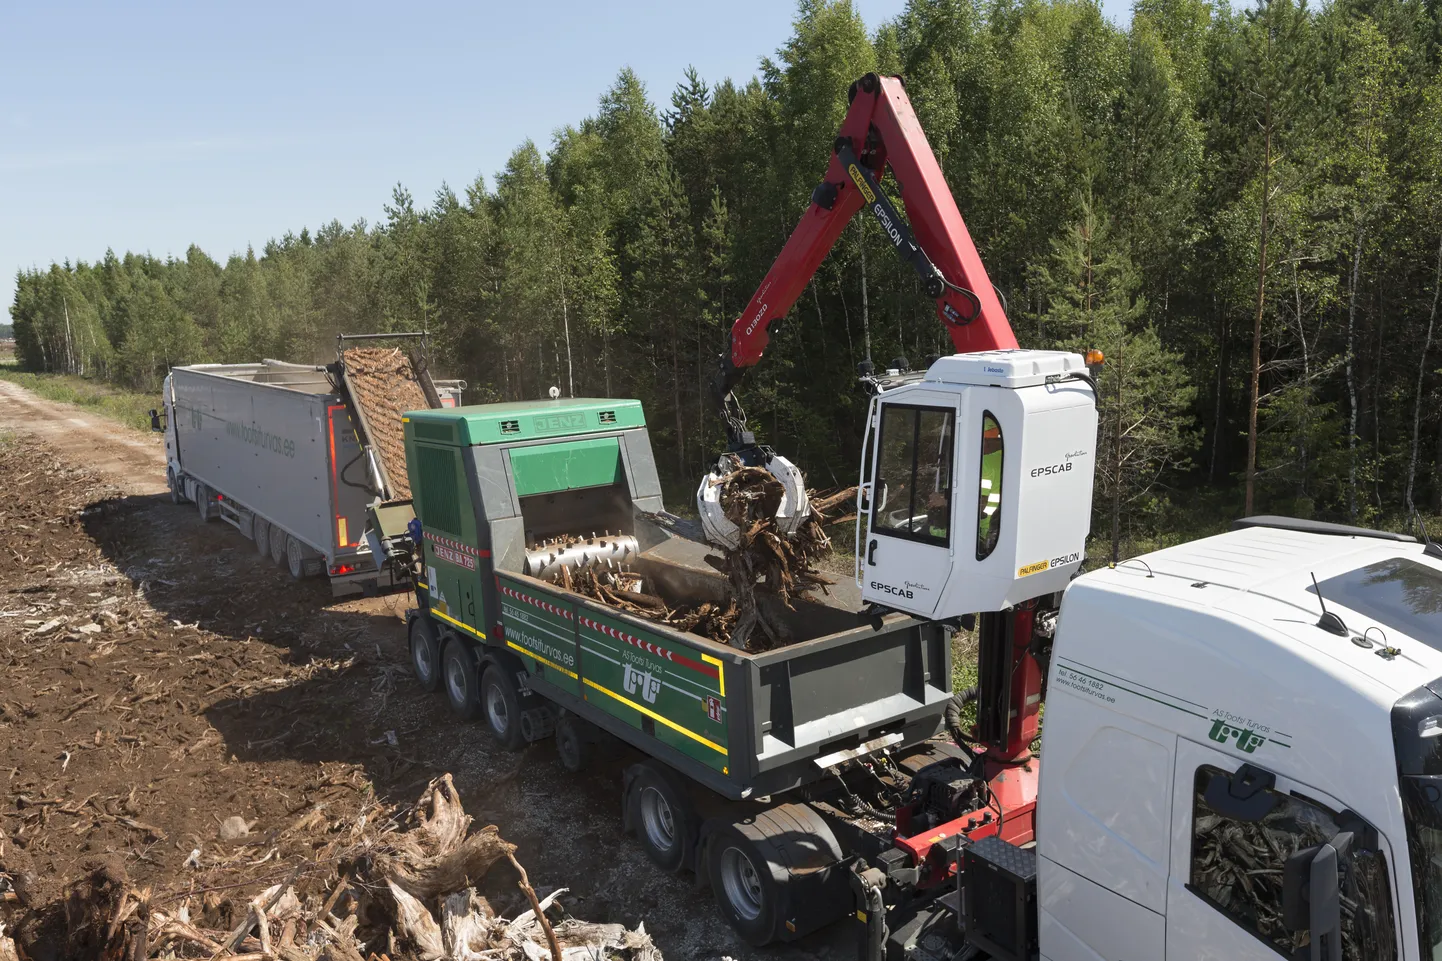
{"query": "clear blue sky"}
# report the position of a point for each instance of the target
(151, 126)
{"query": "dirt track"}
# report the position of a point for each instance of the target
(189, 680)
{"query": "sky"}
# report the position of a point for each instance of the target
(150, 126)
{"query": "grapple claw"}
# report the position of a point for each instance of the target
(795, 505)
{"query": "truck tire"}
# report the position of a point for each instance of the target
(458, 669)
(777, 874)
(572, 743)
(177, 491)
(743, 885)
(295, 558)
(501, 704)
(277, 545)
(260, 530)
(203, 504)
(425, 654)
(659, 810)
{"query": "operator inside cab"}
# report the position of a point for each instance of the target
(988, 508)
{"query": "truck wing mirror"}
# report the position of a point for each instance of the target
(1312, 896)
(1243, 796)
(155, 424)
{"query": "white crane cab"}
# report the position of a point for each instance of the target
(977, 490)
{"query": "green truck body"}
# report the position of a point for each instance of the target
(488, 481)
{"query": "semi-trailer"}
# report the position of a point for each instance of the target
(279, 451)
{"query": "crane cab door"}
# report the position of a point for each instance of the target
(906, 557)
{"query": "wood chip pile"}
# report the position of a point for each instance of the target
(383, 382)
(765, 562)
(385, 889)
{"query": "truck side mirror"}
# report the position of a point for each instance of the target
(155, 424)
(1312, 895)
(1243, 796)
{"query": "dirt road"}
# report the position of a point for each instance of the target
(162, 677)
(128, 458)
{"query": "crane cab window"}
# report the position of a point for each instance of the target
(988, 502)
(1237, 865)
(913, 473)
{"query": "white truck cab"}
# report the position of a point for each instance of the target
(1205, 725)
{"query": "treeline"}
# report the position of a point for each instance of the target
(1228, 202)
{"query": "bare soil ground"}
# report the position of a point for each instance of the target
(157, 677)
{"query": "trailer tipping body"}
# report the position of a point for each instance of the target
(271, 448)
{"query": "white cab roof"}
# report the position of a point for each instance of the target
(1264, 575)
(1005, 368)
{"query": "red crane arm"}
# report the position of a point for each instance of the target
(880, 128)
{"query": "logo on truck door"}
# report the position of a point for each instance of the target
(1246, 740)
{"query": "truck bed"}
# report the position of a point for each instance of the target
(743, 724)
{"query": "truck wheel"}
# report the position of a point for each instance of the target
(277, 545)
(260, 530)
(458, 672)
(295, 560)
(775, 874)
(502, 705)
(571, 743)
(203, 504)
(660, 813)
(746, 892)
(425, 654)
(177, 493)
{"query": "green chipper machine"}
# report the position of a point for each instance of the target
(504, 497)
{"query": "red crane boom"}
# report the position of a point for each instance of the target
(880, 130)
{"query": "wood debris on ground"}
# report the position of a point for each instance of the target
(387, 888)
(765, 562)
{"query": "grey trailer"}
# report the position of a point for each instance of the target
(271, 449)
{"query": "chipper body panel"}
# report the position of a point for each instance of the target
(492, 482)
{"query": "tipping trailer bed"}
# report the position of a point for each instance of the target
(271, 448)
(742, 724)
(294, 455)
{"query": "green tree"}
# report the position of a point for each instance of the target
(1144, 436)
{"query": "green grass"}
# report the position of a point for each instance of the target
(126, 407)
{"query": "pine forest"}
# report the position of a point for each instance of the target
(1241, 207)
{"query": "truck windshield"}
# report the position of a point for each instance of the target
(1401, 594)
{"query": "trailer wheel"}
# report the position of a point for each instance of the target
(277, 545)
(458, 668)
(746, 892)
(425, 654)
(203, 504)
(661, 815)
(260, 529)
(571, 743)
(295, 558)
(775, 874)
(501, 703)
